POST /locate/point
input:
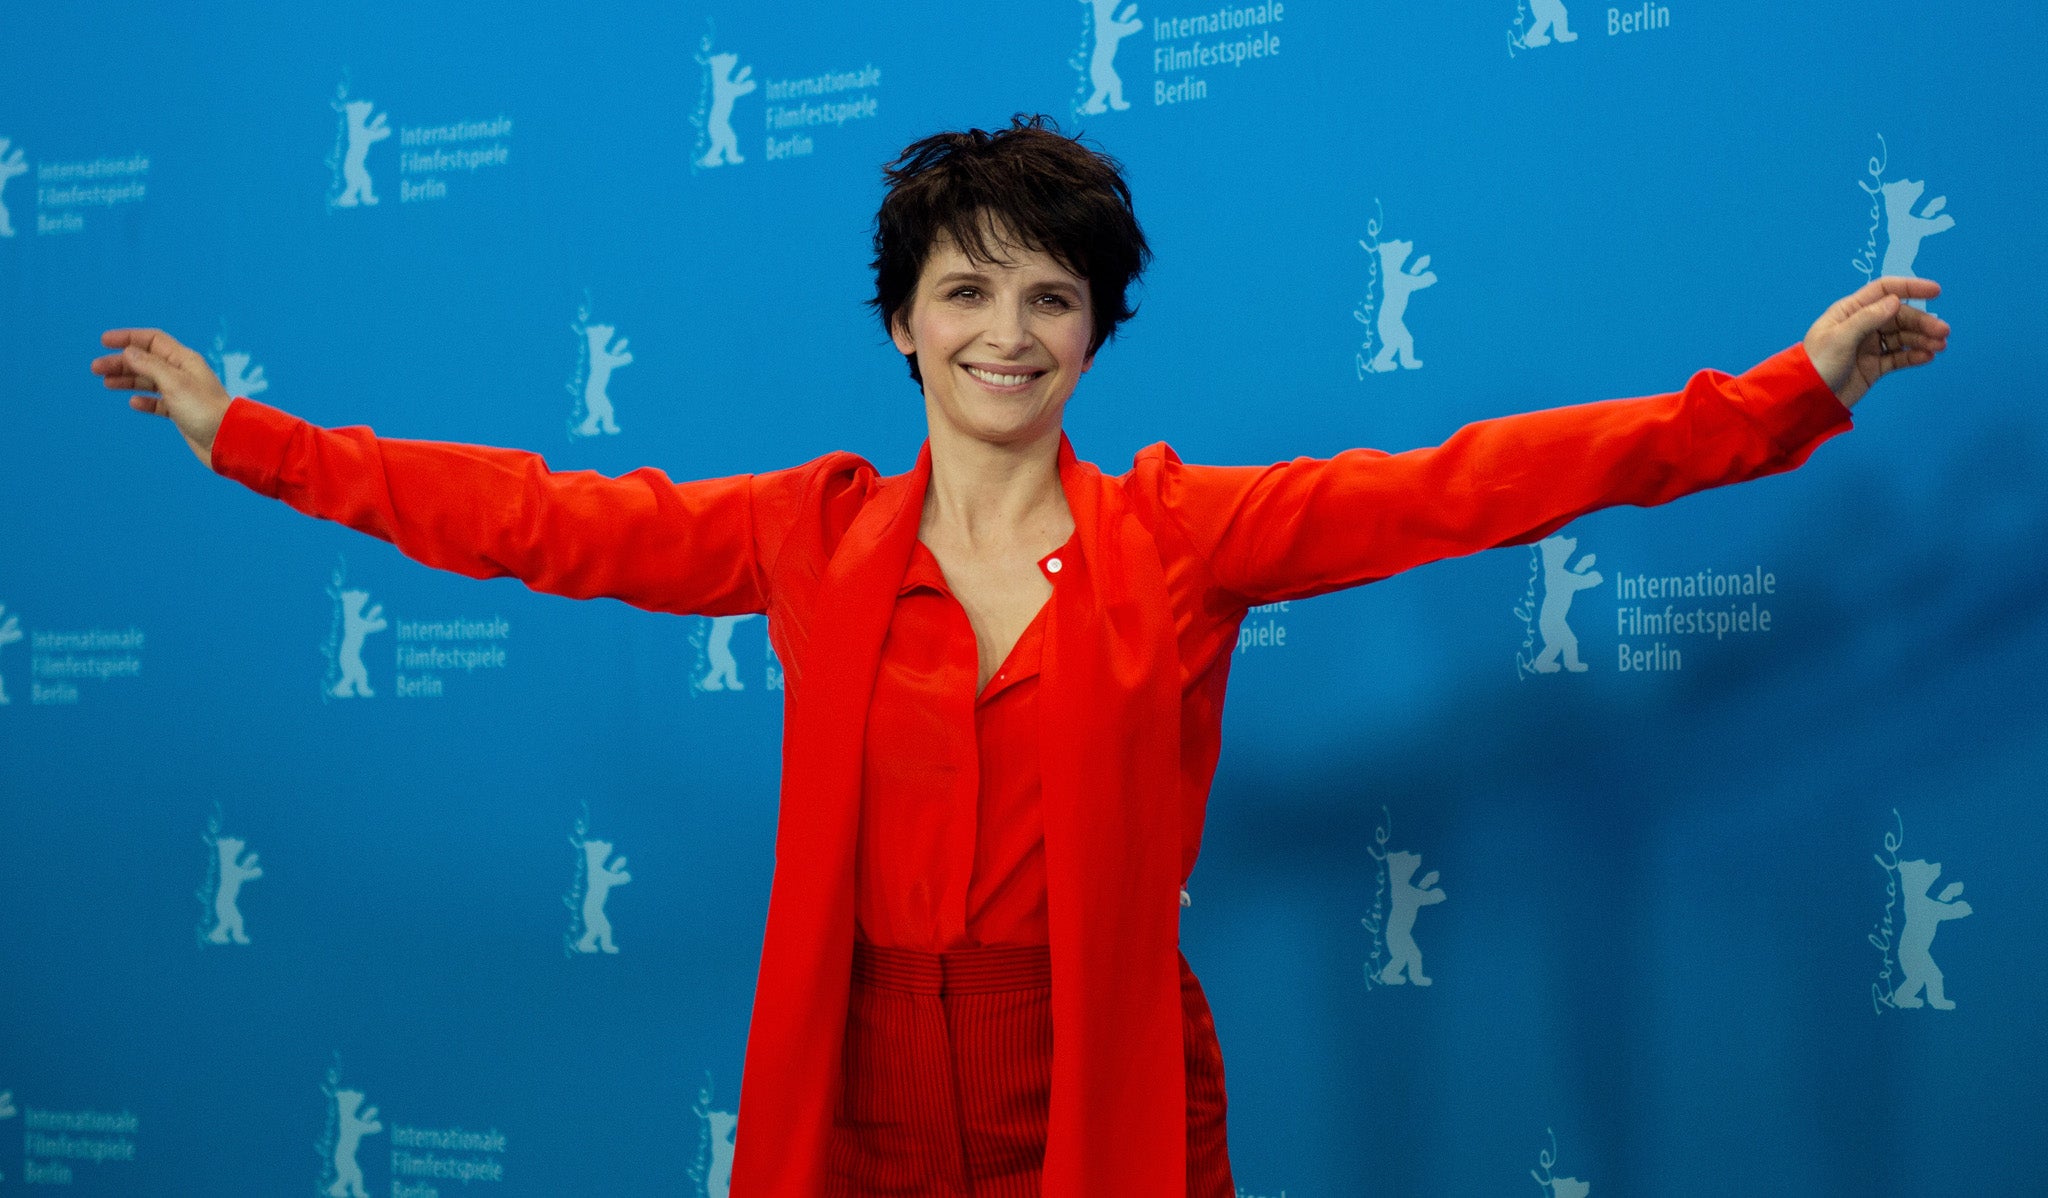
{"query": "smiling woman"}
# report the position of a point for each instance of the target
(1005, 669)
(988, 194)
(998, 345)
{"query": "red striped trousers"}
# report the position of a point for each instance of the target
(948, 1076)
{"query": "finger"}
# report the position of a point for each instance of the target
(1888, 343)
(158, 343)
(1861, 323)
(115, 370)
(1903, 359)
(1919, 320)
(1911, 340)
(110, 364)
(1906, 287)
(150, 372)
(150, 362)
(123, 338)
(1895, 350)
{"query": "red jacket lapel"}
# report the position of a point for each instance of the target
(789, 1091)
(1109, 696)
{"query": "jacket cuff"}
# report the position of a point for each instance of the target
(251, 444)
(1789, 400)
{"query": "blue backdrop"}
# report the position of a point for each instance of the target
(312, 858)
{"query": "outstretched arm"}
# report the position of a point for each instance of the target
(700, 547)
(1310, 526)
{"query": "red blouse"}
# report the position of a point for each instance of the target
(952, 843)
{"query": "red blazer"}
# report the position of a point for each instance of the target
(1170, 556)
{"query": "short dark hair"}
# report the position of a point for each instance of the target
(1029, 182)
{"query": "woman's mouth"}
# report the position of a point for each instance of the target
(1002, 380)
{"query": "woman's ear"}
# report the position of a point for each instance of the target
(899, 331)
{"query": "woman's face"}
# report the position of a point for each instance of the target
(1000, 344)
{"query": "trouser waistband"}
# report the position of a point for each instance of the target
(963, 971)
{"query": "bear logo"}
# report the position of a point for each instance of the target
(1395, 339)
(711, 1169)
(726, 87)
(1111, 28)
(722, 670)
(1559, 585)
(348, 1175)
(1923, 916)
(1408, 898)
(10, 166)
(235, 869)
(1557, 1187)
(718, 1178)
(239, 379)
(356, 624)
(1904, 229)
(597, 401)
(7, 1110)
(1548, 18)
(362, 134)
(598, 880)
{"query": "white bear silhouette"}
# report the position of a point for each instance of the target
(1550, 17)
(1111, 28)
(1408, 899)
(355, 625)
(7, 1104)
(1398, 285)
(599, 878)
(725, 88)
(1923, 916)
(718, 1180)
(1559, 585)
(348, 1175)
(724, 674)
(10, 632)
(596, 402)
(1569, 1187)
(236, 376)
(234, 870)
(10, 166)
(362, 134)
(1904, 229)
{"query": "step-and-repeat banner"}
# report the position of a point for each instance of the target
(1690, 851)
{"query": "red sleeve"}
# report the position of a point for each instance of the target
(1308, 526)
(698, 547)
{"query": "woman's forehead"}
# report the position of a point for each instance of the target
(1001, 259)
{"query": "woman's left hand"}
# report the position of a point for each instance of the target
(1874, 331)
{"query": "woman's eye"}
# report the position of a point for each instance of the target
(965, 293)
(1060, 302)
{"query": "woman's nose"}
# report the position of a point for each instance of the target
(1008, 330)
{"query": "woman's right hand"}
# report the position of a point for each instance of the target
(186, 388)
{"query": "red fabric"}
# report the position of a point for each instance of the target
(1135, 654)
(952, 842)
(948, 1067)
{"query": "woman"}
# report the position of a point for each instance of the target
(1005, 669)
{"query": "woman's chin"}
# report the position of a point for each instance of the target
(1009, 428)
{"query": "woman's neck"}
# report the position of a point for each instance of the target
(988, 496)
